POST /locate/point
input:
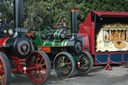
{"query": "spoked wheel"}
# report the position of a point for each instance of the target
(41, 67)
(5, 70)
(64, 64)
(86, 62)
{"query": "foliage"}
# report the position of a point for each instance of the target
(6, 10)
(51, 12)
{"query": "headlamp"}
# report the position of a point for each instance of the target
(10, 31)
(5, 31)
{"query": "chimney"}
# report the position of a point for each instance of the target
(73, 20)
(18, 9)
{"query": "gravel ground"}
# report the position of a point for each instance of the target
(117, 76)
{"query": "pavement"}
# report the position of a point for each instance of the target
(117, 76)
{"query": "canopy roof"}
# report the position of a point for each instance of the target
(110, 14)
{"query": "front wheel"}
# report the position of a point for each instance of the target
(64, 64)
(85, 63)
(5, 70)
(41, 65)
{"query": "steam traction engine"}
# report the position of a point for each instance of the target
(17, 53)
(64, 50)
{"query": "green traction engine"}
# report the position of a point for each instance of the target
(65, 50)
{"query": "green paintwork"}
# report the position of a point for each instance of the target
(37, 41)
(76, 57)
(57, 34)
(54, 43)
(45, 29)
(40, 42)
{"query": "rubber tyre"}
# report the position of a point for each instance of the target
(72, 63)
(85, 71)
(7, 68)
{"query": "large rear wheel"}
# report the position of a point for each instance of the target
(86, 63)
(41, 65)
(5, 70)
(64, 64)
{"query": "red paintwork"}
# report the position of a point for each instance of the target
(30, 35)
(3, 71)
(111, 14)
(86, 41)
(57, 27)
(108, 67)
(45, 48)
(19, 65)
(37, 67)
(88, 28)
(3, 40)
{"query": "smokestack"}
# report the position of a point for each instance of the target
(73, 20)
(18, 9)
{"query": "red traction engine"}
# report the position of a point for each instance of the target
(17, 53)
(106, 34)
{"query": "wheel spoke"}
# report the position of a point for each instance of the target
(37, 58)
(43, 64)
(69, 67)
(41, 75)
(59, 67)
(68, 63)
(2, 80)
(63, 59)
(84, 65)
(66, 66)
(59, 61)
(41, 61)
(1, 64)
(65, 70)
(66, 60)
(35, 74)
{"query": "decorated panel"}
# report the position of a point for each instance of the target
(112, 38)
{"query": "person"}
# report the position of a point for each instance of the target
(63, 23)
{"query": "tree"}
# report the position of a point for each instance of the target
(51, 12)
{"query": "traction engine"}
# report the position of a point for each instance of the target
(65, 50)
(17, 53)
